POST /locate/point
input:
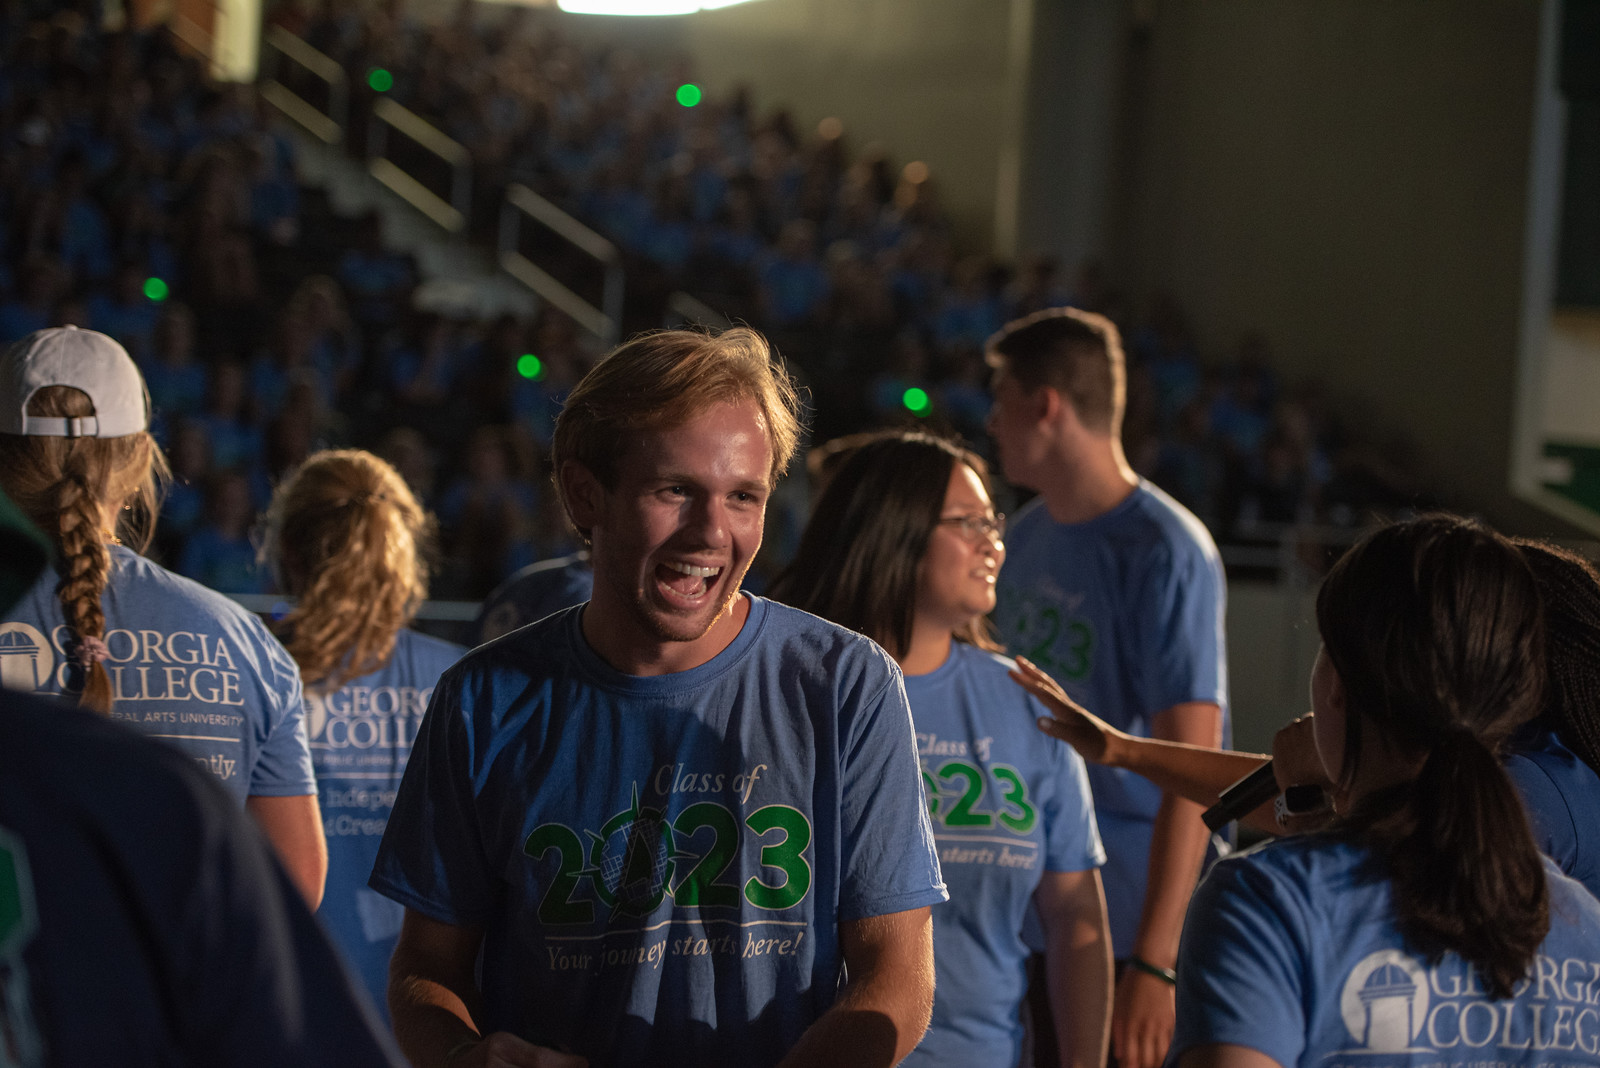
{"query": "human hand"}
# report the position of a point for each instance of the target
(1142, 1019)
(501, 1049)
(1090, 735)
(1295, 762)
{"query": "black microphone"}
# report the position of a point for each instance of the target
(1242, 798)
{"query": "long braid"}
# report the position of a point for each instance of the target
(66, 485)
(85, 570)
(1570, 587)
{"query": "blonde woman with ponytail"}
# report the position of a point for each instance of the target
(348, 540)
(119, 635)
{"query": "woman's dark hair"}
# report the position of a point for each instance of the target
(1435, 629)
(1570, 588)
(859, 556)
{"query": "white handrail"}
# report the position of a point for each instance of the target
(604, 321)
(328, 126)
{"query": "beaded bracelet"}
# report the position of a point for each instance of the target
(1165, 974)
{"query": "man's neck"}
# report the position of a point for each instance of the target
(1086, 481)
(618, 640)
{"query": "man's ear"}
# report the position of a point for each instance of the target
(584, 495)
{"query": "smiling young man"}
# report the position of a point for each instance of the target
(669, 819)
(1117, 591)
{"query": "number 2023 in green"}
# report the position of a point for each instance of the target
(1014, 811)
(699, 888)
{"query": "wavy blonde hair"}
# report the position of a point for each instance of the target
(346, 537)
(68, 486)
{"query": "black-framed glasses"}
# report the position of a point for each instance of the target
(977, 526)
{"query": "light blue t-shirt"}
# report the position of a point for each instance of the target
(187, 665)
(1291, 949)
(1126, 611)
(1562, 794)
(1007, 805)
(659, 863)
(361, 735)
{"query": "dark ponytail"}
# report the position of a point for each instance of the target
(1434, 627)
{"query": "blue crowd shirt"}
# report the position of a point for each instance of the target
(1126, 611)
(1007, 805)
(360, 736)
(187, 666)
(659, 863)
(1562, 795)
(1291, 949)
(534, 592)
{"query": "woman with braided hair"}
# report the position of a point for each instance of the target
(120, 634)
(1555, 760)
(346, 537)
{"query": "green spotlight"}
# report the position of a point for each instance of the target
(689, 95)
(155, 289)
(530, 366)
(380, 80)
(916, 401)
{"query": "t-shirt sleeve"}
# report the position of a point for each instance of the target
(888, 862)
(1179, 620)
(1240, 966)
(432, 858)
(283, 767)
(1548, 811)
(1072, 836)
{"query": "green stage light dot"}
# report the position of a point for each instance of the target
(380, 80)
(916, 401)
(530, 366)
(689, 95)
(155, 289)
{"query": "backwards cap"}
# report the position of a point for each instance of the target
(84, 360)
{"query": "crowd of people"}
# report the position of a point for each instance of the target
(144, 201)
(935, 800)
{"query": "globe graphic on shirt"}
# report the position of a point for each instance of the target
(1385, 1001)
(633, 856)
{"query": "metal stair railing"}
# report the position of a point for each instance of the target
(523, 204)
(451, 214)
(282, 51)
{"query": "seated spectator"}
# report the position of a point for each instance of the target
(124, 312)
(487, 513)
(235, 442)
(792, 283)
(379, 281)
(41, 283)
(220, 553)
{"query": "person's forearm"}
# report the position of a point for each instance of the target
(874, 1024)
(1079, 976)
(1177, 849)
(431, 1021)
(1194, 772)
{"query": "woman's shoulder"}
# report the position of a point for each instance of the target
(161, 591)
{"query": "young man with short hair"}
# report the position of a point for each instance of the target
(1117, 591)
(670, 818)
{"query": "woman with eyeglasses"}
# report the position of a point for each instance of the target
(904, 546)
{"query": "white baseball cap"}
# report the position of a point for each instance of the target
(85, 360)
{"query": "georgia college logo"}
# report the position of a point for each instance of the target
(26, 660)
(1385, 1002)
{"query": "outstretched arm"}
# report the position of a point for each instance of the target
(884, 1010)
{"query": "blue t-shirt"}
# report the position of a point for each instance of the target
(659, 863)
(1126, 612)
(535, 592)
(1007, 805)
(360, 736)
(144, 920)
(1562, 794)
(1291, 949)
(187, 665)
